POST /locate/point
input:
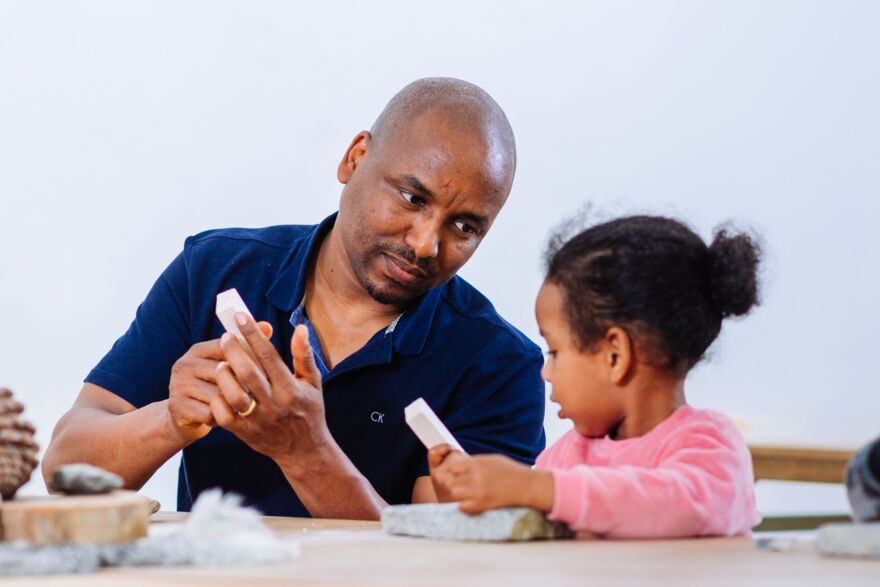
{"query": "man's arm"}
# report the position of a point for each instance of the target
(104, 430)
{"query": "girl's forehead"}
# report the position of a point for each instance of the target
(548, 310)
(549, 298)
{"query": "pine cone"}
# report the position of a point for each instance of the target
(18, 451)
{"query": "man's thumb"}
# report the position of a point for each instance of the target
(304, 366)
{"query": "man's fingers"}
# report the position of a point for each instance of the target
(266, 328)
(203, 369)
(196, 412)
(266, 355)
(236, 397)
(249, 374)
(222, 413)
(210, 349)
(304, 365)
(197, 390)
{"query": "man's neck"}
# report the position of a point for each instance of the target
(331, 283)
(341, 311)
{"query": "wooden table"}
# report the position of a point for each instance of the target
(358, 553)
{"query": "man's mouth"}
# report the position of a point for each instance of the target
(402, 272)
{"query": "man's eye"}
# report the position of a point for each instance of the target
(412, 199)
(467, 228)
(550, 353)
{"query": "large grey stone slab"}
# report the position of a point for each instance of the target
(851, 540)
(446, 522)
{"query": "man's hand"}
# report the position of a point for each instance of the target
(193, 387)
(288, 423)
(485, 482)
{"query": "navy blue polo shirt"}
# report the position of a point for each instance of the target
(480, 374)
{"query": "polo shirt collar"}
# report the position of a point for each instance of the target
(409, 332)
(414, 325)
(290, 286)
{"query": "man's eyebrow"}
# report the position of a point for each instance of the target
(478, 219)
(417, 186)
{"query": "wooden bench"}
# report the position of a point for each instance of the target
(814, 465)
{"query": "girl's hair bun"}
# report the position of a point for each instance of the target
(734, 259)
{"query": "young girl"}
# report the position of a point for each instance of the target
(627, 309)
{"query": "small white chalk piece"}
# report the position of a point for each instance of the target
(427, 426)
(229, 302)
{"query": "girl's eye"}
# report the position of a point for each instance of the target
(466, 228)
(417, 201)
(550, 353)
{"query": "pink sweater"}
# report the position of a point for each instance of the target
(689, 476)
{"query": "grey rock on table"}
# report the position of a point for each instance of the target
(850, 540)
(446, 522)
(82, 479)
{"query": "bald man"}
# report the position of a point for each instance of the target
(360, 315)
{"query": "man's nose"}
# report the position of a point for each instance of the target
(424, 238)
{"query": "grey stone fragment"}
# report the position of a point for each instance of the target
(850, 540)
(82, 479)
(446, 522)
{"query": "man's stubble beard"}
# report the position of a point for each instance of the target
(373, 289)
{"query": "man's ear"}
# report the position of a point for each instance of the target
(355, 152)
(619, 354)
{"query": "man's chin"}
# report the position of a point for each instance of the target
(393, 294)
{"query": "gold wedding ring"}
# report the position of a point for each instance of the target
(250, 409)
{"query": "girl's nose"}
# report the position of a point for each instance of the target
(545, 370)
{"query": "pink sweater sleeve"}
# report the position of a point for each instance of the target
(703, 485)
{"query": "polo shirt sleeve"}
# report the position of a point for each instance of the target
(138, 366)
(499, 405)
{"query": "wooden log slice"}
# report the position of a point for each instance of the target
(121, 516)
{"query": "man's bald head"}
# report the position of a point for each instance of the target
(423, 187)
(463, 105)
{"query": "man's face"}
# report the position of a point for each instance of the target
(417, 204)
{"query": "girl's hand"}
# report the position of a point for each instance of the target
(488, 481)
(439, 459)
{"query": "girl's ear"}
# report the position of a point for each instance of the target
(619, 353)
(356, 150)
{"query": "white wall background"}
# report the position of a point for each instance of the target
(126, 126)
